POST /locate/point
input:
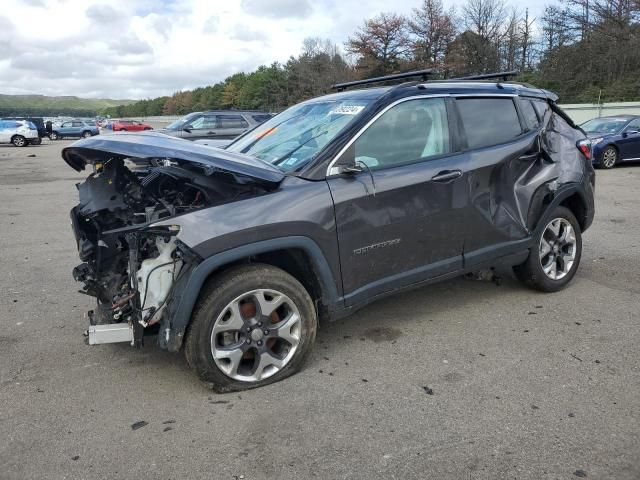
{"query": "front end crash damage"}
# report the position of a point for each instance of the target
(133, 268)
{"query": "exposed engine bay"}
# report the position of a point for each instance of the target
(130, 266)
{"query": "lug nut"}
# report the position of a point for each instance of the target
(248, 329)
(248, 340)
(259, 343)
(259, 324)
(266, 332)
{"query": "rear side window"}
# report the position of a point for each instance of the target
(78, 124)
(529, 112)
(232, 121)
(489, 121)
(261, 118)
(541, 108)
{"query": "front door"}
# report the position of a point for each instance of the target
(629, 144)
(400, 219)
(203, 126)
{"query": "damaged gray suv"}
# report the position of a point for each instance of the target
(236, 255)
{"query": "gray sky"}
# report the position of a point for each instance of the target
(147, 48)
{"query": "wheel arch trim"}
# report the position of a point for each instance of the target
(181, 316)
(563, 194)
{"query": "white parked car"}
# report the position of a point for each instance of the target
(18, 132)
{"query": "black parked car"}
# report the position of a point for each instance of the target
(235, 254)
(39, 123)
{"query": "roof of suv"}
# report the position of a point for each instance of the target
(443, 87)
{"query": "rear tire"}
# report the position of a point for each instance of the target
(609, 157)
(258, 321)
(86, 134)
(19, 141)
(35, 141)
(555, 255)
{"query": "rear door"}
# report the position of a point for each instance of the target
(77, 128)
(230, 126)
(502, 145)
(401, 219)
(629, 144)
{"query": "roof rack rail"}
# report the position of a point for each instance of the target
(488, 76)
(398, 76)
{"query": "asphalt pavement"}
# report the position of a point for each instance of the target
(461, 380)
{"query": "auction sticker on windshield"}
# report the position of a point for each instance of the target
(347, 110)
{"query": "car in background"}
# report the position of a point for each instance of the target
(614, 139)
(18, 132)
(218, 124)
(129, 126)
(39, 124)
(74, 128)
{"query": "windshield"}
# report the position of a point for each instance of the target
(604, 125)
(291, 139)
(177, 125)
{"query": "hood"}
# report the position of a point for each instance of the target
(147, 145)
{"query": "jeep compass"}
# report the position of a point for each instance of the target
(235, 255)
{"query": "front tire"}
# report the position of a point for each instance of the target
(35, 141)
(19, 141)
(609, 157)
(554, 259)
(54, 136)
(252, 326)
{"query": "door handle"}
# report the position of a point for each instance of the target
(211, 133)
(529, 156)
(447, 175)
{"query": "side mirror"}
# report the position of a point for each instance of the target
(630, 132)
(187, 128)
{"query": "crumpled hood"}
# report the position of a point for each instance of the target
(146, 145)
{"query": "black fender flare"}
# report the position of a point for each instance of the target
(559, 196)
(188, 296)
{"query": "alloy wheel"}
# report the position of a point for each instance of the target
(256, 335)
(609, 157)
(558, 247)
(19, 141)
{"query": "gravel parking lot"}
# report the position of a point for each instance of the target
(464, 379)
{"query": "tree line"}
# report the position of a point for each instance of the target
(584, 50)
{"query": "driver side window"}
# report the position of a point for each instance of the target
(634, 126)
(205, 121)
(410, 131)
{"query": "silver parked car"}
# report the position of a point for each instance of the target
(18, 132)
(218, 124)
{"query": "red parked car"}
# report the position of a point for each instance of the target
(129, 126)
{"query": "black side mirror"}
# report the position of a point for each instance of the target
(630, 132)
(187, 128)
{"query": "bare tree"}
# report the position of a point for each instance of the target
(485, 18)
(434, 29)
(381, 44)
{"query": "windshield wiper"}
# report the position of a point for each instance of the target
(253, 144)
(280, 159)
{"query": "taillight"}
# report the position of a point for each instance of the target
(585, 147)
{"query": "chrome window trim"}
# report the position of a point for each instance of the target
(330, 169)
